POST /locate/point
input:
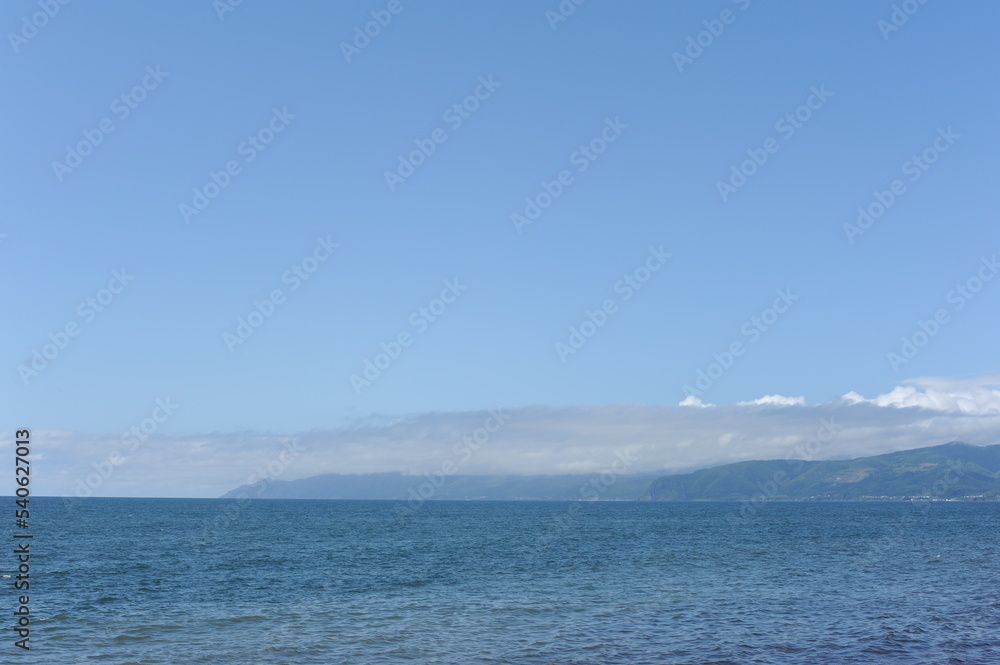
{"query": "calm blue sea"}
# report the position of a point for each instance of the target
(173, 581)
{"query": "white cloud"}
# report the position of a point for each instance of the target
(970, 396)
(775, 400)
(692, 400)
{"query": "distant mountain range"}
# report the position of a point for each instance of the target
(455, 487)
(950, 471)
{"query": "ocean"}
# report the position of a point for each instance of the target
(147, 581)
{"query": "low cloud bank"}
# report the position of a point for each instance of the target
(530, 440)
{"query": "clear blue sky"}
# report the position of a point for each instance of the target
(323, 176)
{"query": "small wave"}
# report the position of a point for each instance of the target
(243, 619)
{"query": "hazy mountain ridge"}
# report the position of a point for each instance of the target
(949, 471)
(458, 487)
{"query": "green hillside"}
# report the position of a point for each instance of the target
(950, 471)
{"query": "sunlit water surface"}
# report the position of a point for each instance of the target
(170, 581)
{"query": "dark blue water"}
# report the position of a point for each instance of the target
(148, 581)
